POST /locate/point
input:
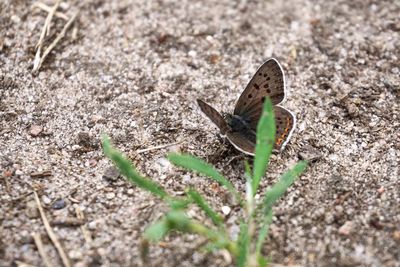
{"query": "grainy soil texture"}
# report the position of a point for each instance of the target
(134, 69)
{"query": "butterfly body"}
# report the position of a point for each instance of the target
(237, 123)
(241, 126)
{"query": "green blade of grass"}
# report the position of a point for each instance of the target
(157, 231)
(179, 203)
(217, 239)
(179, 221)
(262, 262)
(126, 169)
(173, 220)
(249, 189)
(263, 232)
(282, 185)
(247, 170)
(200, 201)
(243, 245)
(195, 164)
(265, 142)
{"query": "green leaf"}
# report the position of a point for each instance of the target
(249, 189)
(157, 231)
(262, 262)
(247, 170)
(200, 201)
(173, 220)
(263, 232)
(195, 164)
(282, 185)
(126, 169)
(243, 245)
(179, 203)
(265, 142)
(177, 219)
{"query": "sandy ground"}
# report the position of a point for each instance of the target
(134, 72)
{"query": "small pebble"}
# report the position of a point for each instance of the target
(59, 204)
(110, 195)
(396, 235)
(35, 130)
(75, 254)
(46, 200)
(309, 153)
(226, 210)
(31, 209)
(92, 225)
(346, 228)
(111, 174)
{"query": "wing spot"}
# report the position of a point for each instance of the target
(268, 91)
(268, 78)
(256, 86)
(249, 96)
(283, 136)
(260, 74)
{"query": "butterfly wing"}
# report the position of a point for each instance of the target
(268, 81)
(214, 116)
(285, 125)
(241, 142)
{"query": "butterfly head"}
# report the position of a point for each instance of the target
(227, 117)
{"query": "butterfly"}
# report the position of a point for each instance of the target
(240, 127)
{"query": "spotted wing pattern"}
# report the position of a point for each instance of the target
(268, 81)
(214, 116)
(285, 125)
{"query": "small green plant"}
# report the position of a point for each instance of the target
(257, 216)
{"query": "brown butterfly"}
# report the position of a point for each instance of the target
(241, 126)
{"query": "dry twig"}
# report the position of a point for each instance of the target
(85, 231)
(39, 245)
(49, 9)
(23, 264)
(46, 26)
(54, 43)
(39, 60)
(43, 34)
(51, 234)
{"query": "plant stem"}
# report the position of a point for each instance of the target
(215, 236)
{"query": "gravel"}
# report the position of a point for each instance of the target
(134, 72)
